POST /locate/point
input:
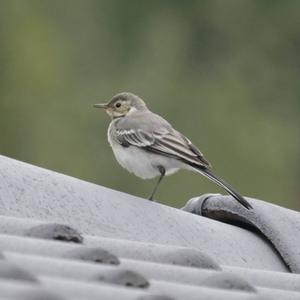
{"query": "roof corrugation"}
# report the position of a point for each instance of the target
(53, 258)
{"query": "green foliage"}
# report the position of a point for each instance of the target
(225, 73)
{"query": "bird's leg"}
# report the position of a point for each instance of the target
(162, 172)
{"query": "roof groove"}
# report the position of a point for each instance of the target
(62, 238)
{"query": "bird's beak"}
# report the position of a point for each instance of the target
(100, 105)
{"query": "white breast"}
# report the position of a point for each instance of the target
(140, 162)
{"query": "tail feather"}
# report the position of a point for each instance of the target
(220, 182)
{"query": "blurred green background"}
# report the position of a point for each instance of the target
(225, 73)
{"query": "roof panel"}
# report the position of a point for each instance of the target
(63, 238)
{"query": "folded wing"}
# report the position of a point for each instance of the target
(164, 142)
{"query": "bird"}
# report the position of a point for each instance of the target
(148, 146)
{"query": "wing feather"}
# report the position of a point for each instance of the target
(164, 142)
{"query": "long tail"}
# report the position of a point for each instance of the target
(220, 182)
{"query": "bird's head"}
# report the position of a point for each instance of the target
(122, 105)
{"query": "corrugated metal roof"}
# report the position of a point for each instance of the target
(63, 238)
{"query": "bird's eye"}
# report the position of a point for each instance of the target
(118, 104)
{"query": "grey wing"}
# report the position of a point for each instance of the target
(198, 153)
(163, 141)
(131, 137)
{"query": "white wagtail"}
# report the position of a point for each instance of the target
(146, 145)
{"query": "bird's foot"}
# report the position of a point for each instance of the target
(150, 198)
